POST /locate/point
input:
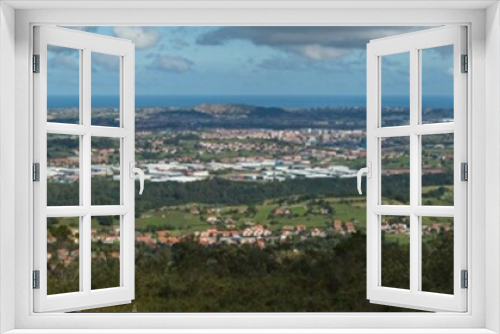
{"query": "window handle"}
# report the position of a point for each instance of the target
(368, 171)
(134, 170)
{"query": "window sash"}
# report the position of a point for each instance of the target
(414, 298)
(87, 43)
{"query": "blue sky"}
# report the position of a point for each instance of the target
(248, 61)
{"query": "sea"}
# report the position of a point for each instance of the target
(283, 101)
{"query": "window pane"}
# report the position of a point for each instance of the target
(105, 252)
(395, 94)
(395, 257)
(63, 170)
(437, 84)
(63, 254)
(437, 169)
(437, 254)
(395, 167)
(63, 85)
(105, 171)
(105, 89)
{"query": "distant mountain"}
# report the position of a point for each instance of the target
(240, 116)
(219, 110)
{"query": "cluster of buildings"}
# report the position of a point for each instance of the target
(250, 170)
(401, 228)
(259, 235)
(245, 169)
(247, 154)
(298, 136)
(251, 234)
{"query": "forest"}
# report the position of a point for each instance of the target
(301, 275)
(219, 191)
(316, 275)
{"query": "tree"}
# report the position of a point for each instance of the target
(61, 233)
(105, 220)
(252, 210)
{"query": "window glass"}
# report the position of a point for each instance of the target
(437, 84)
(63, 255)
(395, 94)
(437, 254)
(105, 171)
(437, 169)
(105, 250)
(63, 170)
(105, 89)
(395, 257)
(395, 167)
(63, 85)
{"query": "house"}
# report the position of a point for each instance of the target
(212, 220)
(337, 225)
(162, 233)
(300, 228)
(350, 227)
(281, 211)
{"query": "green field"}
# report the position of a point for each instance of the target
(182, 221)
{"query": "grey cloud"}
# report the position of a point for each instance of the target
(294, 63)
(316, 43)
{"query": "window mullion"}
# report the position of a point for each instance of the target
(85, 173)
(414, 171)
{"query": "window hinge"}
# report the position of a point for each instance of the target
(36, 63)
(36, 172)
(464, 171)
(464, 279)
(465, 64)
(36, 279)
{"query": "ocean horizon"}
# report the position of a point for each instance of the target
(283, 101)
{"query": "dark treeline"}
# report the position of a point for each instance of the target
(219, 191)
(315, 275)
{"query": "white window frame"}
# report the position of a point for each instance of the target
(413, 44)
(85, 43)
(484, 44)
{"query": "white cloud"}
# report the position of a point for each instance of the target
(172, 63)
(450, 71)
(142, 37)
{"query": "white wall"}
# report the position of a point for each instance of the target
(7, 170)
(492, 148)
(254, 16)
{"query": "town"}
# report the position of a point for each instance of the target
(256, 235)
